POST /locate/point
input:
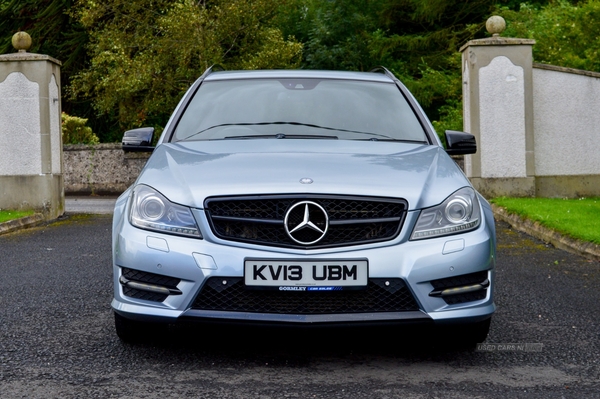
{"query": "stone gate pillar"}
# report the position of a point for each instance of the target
(30, 131)
(498, 110)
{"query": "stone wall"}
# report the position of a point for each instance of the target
(100, 169)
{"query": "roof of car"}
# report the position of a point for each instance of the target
(298, 74)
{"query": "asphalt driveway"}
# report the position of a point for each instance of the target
(57, 338)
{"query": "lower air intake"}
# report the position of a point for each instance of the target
(233, 297)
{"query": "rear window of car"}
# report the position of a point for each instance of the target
(342, 109)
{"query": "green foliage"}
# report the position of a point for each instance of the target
(75, 131)
(360, 34)
(442, 90)
(577, 218)
(417, 40)
(451, 118)
(145, 55)
(566, 34)
(53, 32)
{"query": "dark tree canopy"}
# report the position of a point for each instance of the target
(54, 32)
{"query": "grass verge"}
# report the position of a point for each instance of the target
(5, 215)
(576, 218)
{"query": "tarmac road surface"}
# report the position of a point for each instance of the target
(57, 338)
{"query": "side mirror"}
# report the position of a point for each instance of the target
(138, 140)
(460, 143)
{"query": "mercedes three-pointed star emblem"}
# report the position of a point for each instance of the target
(306, 222)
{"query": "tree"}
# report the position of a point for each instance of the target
(127, 62)
(143, 56)
(418, 40)
(53, 31)
(566, 34)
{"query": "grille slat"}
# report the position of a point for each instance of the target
(457, 281)
(377, 297)
(260, 219)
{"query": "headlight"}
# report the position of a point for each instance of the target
(457, 214)
(152, 211)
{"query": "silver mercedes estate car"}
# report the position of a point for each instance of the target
(302, 198)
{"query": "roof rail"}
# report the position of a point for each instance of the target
(385, 71)
(211, 69)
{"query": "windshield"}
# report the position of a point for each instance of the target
(299, 108)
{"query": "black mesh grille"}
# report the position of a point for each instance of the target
(233, 297)
(468, 297)
(145, 295)
(150, 278)
(260, 220)
(460, 281)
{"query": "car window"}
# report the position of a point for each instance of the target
(299, 108)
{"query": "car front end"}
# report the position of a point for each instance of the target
(286, 229)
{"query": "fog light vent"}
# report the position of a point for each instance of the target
(148, 286)
(461, 289)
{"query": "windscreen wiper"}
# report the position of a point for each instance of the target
(284, 123)
(281, 136)
(385, 138)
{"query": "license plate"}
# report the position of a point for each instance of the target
(314, 275)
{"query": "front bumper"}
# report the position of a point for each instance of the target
(191, 262)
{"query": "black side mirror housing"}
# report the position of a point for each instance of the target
(138, 140)
(460, 143)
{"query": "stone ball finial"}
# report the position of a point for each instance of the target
(495, 25)
(21, 41)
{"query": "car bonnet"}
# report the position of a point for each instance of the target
(189, 172)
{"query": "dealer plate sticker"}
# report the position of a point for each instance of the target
(286, 273)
